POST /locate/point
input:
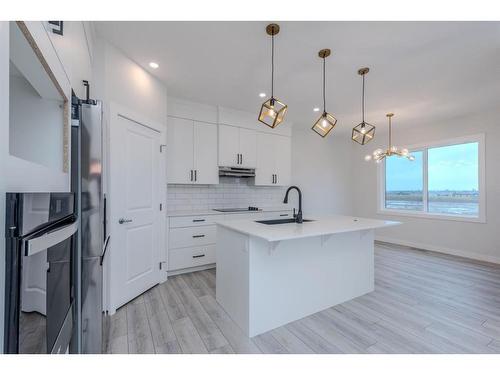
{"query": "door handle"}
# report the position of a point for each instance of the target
(123, 221)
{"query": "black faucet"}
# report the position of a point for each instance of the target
(298, 217)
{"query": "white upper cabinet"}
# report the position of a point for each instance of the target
(191, 152)
(229, 146)
(205, 154)
(273, 160)
(248, 148)
(180, 150)
(237, 147)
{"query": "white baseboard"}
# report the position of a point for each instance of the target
(440, 249)
(192, 269)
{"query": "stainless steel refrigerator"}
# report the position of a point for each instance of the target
(87, 168)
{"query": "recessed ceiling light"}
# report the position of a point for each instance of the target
(316, 109)
(262, 94)
(153, 65)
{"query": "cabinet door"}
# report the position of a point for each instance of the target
(205, 153)
(228, 146)
(248, 148)
(266, 160)
(179, 150)
(283, 147)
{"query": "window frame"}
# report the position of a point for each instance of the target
(424, 147)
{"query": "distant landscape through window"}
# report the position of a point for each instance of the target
(452, 181)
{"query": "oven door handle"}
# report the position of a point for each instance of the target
(43, 241)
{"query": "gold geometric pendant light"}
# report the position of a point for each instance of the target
(363, 132)
(272, 112)
(379, 155)
(327, 121)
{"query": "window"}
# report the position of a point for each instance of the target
(446, 180)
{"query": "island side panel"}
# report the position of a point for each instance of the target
(232, 275)
(303, 276)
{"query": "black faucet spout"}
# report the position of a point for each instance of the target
(298, 217)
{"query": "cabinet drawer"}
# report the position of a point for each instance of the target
(191, 236)
(193, 221)
(190, 257)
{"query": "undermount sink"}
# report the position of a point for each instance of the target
(279, 221)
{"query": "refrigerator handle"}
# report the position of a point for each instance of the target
(104, 249)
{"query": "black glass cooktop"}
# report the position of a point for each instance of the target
(237, 209)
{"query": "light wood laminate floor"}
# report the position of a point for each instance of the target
(423, 302)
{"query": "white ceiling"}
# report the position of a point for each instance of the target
(422, 71)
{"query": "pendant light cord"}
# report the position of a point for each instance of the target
(324, 85)
(363, 102)
(272, 66)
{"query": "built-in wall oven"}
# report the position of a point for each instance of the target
(40, 291)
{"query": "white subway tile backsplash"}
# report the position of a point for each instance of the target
(230, 192)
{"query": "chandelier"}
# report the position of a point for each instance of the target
(379, 155)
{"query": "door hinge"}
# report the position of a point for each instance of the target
(161, 147)
(161, 206)
(161, 265)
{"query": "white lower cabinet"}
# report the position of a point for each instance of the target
(189, 257)
(192, 239)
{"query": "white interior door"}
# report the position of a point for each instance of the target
(180, 150)
(135, 209)
(248, 148)
(205, 153)
(228, 146)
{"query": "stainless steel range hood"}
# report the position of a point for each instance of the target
(236, 172)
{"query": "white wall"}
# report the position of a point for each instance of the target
(120, 80)
(35, 122)
(321, 167)
(474, 240)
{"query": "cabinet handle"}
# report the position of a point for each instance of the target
(198, 236)
(238, 159)
(283, 214)
(198, 220)
(196, 175)
(276, 180)
(241, 158)
(199, 256)
(191, 175)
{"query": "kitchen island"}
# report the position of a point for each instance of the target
(270, 275)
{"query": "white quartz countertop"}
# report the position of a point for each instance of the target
(322, 225)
